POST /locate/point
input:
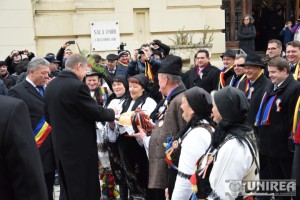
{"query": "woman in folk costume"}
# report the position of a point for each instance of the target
(195, 138)
(99, 92)
(133, 156)
(233, 154)
(115, 101)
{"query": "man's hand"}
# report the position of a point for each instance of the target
(65, 45)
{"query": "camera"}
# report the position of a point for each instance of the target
(122, 45)
(140, 51)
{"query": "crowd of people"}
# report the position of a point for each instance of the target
(145, 129)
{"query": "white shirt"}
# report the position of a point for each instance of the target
(148, 107)
(194, 145)
(232, 163)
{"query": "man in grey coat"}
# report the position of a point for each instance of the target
(169, 122)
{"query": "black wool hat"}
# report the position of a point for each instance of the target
(253, 60)
(171, 64)
(141, 79)
(112, 57)
(200, 101)
(122, 79)
(228, 53)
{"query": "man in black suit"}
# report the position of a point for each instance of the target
(21, 173)
(72, 113)
(274, 121)
(31, 92)
(254, 86)
(203, 75)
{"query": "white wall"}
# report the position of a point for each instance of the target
(16, 27)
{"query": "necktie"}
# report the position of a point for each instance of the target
(41, 90)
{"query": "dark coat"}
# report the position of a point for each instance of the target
(21, 173)
(9, 80)
(3, 89)
(259, 86)
(209, 81)
(72, 113)
(273, 139)
(120, 71)
(35, 103)
(246, 36)
(173, 124)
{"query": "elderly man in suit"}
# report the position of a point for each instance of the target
(21, 173)
(31, 92)
(72, 113)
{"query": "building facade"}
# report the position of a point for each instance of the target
(43, 26)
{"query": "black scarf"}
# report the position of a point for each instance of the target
(139, 101)
(233, 107)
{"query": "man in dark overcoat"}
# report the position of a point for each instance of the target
(21, 172)
(29, 91)
(274, 122)
(72, 113)
(254, 86)
(203, 75)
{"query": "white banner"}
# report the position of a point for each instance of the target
(105, 36)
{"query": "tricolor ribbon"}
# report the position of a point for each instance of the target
(263, 115)
(296, 71)
(41, 131)
(296, 124)
(148, 72)
(237, 83)
(222, 83)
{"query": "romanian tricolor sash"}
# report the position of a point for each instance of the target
(296, 71)
(222, 83)
(263, 115)
(248, 90)
(236, 84)
(296, 124)
(148, 72)
(41, 131)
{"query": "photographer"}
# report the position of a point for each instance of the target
(144, 62)
(63, 54)
(15, 58)
(159, 46)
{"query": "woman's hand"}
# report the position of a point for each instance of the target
(141, 134)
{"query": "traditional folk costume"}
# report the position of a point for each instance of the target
(133, 157)
(233, 154)
(108, 185)
(192, 142)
